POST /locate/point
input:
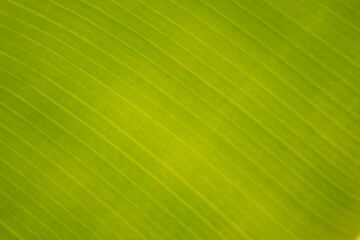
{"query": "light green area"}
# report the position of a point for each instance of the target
(180, 119)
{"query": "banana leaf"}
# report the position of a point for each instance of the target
(180, 119)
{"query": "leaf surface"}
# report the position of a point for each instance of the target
(169, 119)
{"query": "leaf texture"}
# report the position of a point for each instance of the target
(180, 119)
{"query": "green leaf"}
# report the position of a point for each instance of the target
(180, 119)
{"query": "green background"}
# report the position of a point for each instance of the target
(180, 119)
